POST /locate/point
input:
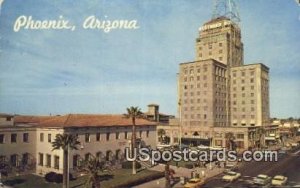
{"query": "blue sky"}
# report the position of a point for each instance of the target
(89, 71)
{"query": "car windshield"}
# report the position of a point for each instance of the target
(278, 178)
(261, 177)
(231, 173)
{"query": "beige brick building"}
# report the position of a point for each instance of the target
(27, 142)
(217, 93)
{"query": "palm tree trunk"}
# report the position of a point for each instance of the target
(65, 169)
(133, 140)
(167, 176)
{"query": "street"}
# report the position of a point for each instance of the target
(287, 165)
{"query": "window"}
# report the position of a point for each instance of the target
(25, 137)
(117, 135)
(126, 135)
(41, 137)
(220, 44)
(147, 133)
(243, 94)
(209, 53)
(14, 160)
(210, 46)
(87, 156)
(243, 73)
(252, 101)
(25, 158)
(252, 80)
(220, 58)
(107, 136)
(141, 133)
(48, 160)
(8, 118)
(98, 137)
(220, 51)
(49, 138)
(56, 162)
(87, 137)
(252, 94)
(41, 159)
(13, 138)
(243, 88)
(234, 74)
(243, 81)
(252, 87)
(252, 73)
(2, 138)
(204, 116)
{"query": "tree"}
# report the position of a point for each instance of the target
(230, 139)
(93, 167)
(167, 176)
(161, 133)
(65, 142)
(133, 113)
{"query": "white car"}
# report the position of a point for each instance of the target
(231, 176)
(262, 179)
(279, 180)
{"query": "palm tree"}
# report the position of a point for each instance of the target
(230, 139)
(93, 167)
(161, 133)
(133, 113)
(65, 142)
(167, 175)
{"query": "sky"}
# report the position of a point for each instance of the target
(89, 71)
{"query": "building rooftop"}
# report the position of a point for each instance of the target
(81, 120)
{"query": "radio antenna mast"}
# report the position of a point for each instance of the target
(226, 8)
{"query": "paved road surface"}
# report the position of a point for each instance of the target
(288, 165)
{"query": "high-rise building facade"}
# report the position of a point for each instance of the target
(218, 90)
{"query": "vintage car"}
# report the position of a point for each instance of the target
(194, 183)
(231, 176)
(262, 179)
(279, 180)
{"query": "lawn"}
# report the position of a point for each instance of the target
(116, 178)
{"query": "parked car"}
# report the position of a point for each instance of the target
(279, 180)
(231, 176)
(194, 183)
(262, 179)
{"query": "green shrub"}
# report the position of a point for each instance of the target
(50, 177)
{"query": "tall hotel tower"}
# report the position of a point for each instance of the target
(217, 89)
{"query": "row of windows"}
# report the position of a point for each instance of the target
(251, 80)
(243, 88)
(15, 159)
(107, 136)
(243, 102)
(210, 45)
(192, 116)
(244, 109)
(14, 138)
(191, 71)
(98, 136)
(243, 73)
(243, 116)
(48, 162)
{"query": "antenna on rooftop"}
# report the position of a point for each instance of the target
(226, 8)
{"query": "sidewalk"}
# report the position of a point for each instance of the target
(181, 172)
